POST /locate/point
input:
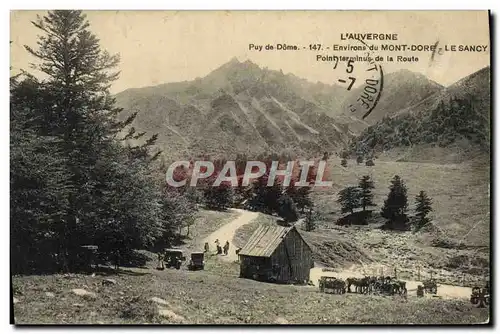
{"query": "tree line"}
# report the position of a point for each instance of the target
(450, 121)
(395, 206)
(287, 201)
(74, 181)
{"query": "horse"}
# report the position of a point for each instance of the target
(358, 284)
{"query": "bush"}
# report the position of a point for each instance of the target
(137, 308)
(356, 218)
(458, 261)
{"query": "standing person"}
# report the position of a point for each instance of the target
(217, 246)
(207, 247)
(161, 261)
(226, 248)
(219, 249)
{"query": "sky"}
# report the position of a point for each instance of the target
(170, 46)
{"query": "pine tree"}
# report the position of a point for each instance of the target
(266, 198)
(396, 204)
(423, 208)
(300, 195)
(112, 190)
(78, 74)
(310, 224)
(287, 209)
(350, 199)
(366, 185)
(39, 184)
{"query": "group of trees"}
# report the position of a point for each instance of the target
(395, 207)
(288, 201)
(448, 122)
(73, 180)
(355, 197)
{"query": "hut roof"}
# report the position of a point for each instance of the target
(265, 240)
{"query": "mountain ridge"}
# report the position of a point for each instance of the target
(240, 107)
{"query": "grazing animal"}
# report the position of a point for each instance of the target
(402, 288)
(337, 286)
(352, 281)
(360, 284)
(363, 285)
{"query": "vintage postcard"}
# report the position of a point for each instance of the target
(250, 167)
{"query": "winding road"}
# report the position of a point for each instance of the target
(227, 232)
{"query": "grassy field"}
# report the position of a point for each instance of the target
(460, 193)
(189, 298)
(456, 250)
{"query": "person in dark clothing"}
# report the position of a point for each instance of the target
(226, 248)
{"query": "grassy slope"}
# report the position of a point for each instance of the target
(236, 301)
(461, 213)
(460, 193)
(191, 294)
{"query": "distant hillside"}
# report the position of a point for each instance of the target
(237, 108)
(402, 89)
(457, 117)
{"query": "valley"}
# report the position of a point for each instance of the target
(386, 188)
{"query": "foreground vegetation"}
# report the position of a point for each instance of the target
(189, 298)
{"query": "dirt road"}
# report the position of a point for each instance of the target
(227, 232)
